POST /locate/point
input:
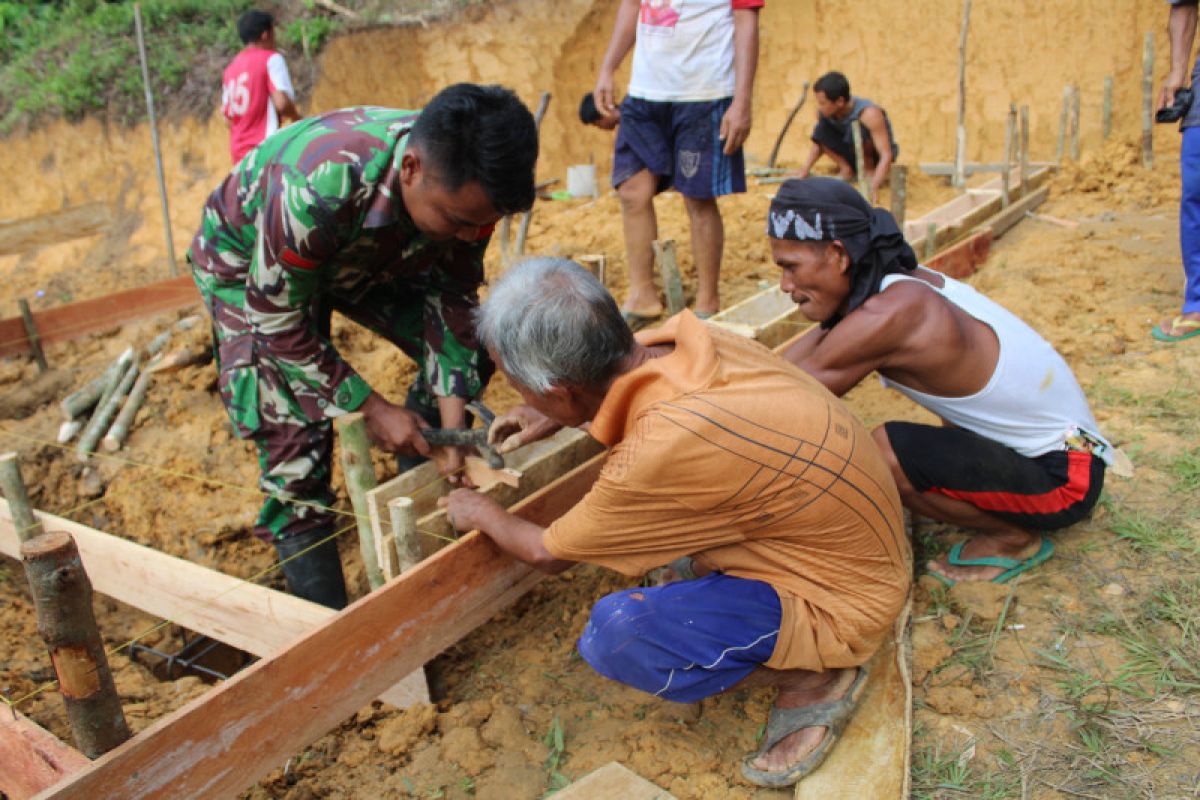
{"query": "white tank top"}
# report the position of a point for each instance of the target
(1032, 403)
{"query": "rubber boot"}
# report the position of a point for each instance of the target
(317, 574)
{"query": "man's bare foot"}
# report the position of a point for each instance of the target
(794, 747)
(983, 546)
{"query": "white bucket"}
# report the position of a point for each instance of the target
(581, 180)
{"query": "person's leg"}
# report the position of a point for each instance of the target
(708, 244)
(1189, 237)
(636, 194)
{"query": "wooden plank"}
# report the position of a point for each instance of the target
(73, 320)
(873, 757)
(967, 211)
(244, 615)
(1002, 222)
(945, 168)
(18, 235)
(32, 758)
(964, 259)
(770, 316)
(613, 781)
(235, 734)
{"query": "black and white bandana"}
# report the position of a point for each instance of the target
(828, 209)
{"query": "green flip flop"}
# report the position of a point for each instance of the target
(1012, 567)
(1190, 325)
(637, 321)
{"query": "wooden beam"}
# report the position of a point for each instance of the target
(963, 259)
(1001, 223)
(34, 759)
(966, 212)
(244, 615)
(74, 320)
(235, 734)
(942, 169)
(769, 316)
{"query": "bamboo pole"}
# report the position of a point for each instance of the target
(360, 479)
(787, 124)
(1010, 135)
(1107, 119)
(13, 487)
(668, 270)
(1061, 149)
(930, 241)
(162, 183)
(31, 332)
(899, 184)
(77, 403)
(106, 409)
(1024, 150)
(1074, 123)
(960, 151)
(1148, 102)
(860, 169)
(62, 595)
(523, 231)
(120, 428)
(404, 532)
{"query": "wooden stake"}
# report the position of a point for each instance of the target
(106, 409)
(504, 234)
(62, 595)
(596, 264)
(35, 341)
(787, 124)
(77, 403)
(13, 486)
(162, 183)
(960, 153)
(668, 270)
(930, 241)
(899, 184)
(360, 479)
(523, 231)
(404, 533)
(120, 428)
(1074, 123)
(1024, 150)
(1010, 136)
(1061, 149)
(1148, 102)
(864, 188)
(1107, 120)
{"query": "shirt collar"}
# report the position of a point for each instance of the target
(387, 206)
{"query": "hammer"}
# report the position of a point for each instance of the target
(475, 437)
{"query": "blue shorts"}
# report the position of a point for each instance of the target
(681, 144)
(684, 641)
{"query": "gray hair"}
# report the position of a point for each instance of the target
(550, 322)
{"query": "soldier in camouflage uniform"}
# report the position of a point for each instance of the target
(382, 215)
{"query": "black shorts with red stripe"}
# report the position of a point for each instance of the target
(1046, 493)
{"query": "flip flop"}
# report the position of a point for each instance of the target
(704, 314)
(1012, 566)
(1191, 325)
(785, 721)
(637, 321)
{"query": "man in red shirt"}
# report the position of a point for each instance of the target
(256, 87)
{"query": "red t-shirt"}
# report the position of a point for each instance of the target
(246, 91)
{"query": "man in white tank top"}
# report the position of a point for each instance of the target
(1019, 454)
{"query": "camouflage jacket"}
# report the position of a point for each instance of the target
(316, 209)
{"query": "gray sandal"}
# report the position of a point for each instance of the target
(785, 721)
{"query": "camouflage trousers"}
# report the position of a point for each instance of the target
(295, 451)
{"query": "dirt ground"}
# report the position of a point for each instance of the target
(1082, 682)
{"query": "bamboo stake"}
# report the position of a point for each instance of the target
(162, 183)
(504, 234)
(360, 479)
(864, 188)
(62, 595)
(1062, 126)
(523, 231)
(35, 341)
(1010, 135)
(120, 428)
(930, 241)
(1074, 123)
(1107, 120)
(668, 270)
(1148, 102)
(67, 431)
(404, 532)
(13, 486)
(899, 185)
(960, 154)
(103, 416)
(787, 124)
(1024, 150)
(77, 403)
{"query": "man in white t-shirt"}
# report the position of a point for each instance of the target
(256, 87)
(683, 123)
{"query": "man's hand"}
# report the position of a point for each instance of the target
(735, 125)
(1174, 82)
(603, 95)
(518, 427)
(468, 510)
(394, 428)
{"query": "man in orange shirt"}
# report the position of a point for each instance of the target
(724, 459)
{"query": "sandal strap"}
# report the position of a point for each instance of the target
(832, 715)
(955, 559)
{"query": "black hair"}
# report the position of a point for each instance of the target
(253, 24)
(833, 85)
(588, 113)
(470, 133)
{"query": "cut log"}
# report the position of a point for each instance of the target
(34, 759)
(235, 734)
(25, 525)
(120, 428)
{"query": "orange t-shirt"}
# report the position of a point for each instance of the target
(723, 451)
